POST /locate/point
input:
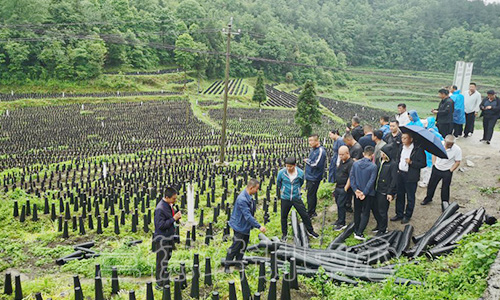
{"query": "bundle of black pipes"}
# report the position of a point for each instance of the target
(345, 264)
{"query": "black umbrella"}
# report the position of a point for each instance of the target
(426, 139)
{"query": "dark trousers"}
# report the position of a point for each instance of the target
(436, 177)
(348, 199)
(237, 249)
(458, 129)
(341, 197)
(286, 205)
(469, 123)
(163, 248)
(405, 196)
(361, 213)
(312, 198)
(488, 127)
(380, 206)
(445, 129)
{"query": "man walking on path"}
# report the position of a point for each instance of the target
(472, 101)
(490, 112)
(342, 192)
(362, 180)
(443, 170)
(242, 221)
(288, 184)
(411, 158)
(458, 111)
(338, 141)
(385, 188)
(444, 113)
(315, 167)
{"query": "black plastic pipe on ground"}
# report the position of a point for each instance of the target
(208, 272)
(232, 291)
(115, 285)
(7, 286)
(450, 210)
(339, 240)
(272, 290)
(149, 291)
(195, 283)
(405, 240)
(166, 294)
(99, 294)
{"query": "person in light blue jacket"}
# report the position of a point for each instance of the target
(459, 112)
(425, 173)
(288, 184)
(415, 119)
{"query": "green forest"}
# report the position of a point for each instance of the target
(81, 39)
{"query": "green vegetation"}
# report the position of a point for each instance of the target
(75, 40)
(259, 94)
(308, 112)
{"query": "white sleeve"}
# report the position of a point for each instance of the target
(314, 164)
(478, 102)
(458, 156)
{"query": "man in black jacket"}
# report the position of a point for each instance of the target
(444, 113)
(164, 235)
(342, 192)
(490, 111)
(411, 159)
(356, 130)
(385, 187)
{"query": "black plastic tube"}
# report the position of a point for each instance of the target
(450, 210)
(435, 252)
(404, 241)
(339, 240)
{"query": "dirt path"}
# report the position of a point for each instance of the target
(465, 187)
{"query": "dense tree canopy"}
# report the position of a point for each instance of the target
(78, 39)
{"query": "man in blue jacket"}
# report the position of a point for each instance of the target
(362, 179)
(242, 221)
(164, 235)
(288, 184)
(315, 167)
(458, 112)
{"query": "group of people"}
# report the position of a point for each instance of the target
(456, 110)
(370, 168)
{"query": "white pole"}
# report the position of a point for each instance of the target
(190, 202)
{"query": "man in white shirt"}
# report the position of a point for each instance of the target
(402, 116)
(472, 102)
(443, 170)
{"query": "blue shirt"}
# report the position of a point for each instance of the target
(242, 219)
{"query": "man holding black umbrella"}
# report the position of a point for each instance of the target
(443, 170)
(410, 158)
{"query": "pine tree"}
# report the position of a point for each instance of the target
(259, 93)
(307, 109)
